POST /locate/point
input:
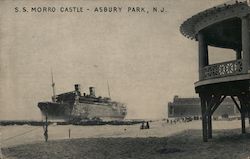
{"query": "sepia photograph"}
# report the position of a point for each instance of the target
(125, 79)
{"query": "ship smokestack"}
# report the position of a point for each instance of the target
(92, 91)
(78, 87)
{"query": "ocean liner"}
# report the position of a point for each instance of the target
(77, 106)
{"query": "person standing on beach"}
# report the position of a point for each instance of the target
(147, 125)
(142, 125)
(45, 128)
(46, 133)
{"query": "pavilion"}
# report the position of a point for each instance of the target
(224, 26)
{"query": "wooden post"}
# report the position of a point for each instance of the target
(243, 118)
(243, 124)
(209, 118)
(243, 113)
(69, 133)
(248, 115)
(245, 43)
(203, 53)
(204, 118)
(238, 54)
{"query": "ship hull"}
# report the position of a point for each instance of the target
(81, 111)
(55, 110)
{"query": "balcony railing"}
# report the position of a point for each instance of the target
(222, 69)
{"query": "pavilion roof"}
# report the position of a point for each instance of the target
(212, 15)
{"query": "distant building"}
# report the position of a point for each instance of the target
(189, 107)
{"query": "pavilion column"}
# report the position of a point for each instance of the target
(243, 115)
(238, 54)
(243, 122)
(209, 118)
(204, 118)
(203, 53)
(245, 43)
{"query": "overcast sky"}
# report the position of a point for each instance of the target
(143, 56)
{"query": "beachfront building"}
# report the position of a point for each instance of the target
(224, 26)
(190, 107)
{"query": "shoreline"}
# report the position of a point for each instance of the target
(81, 123)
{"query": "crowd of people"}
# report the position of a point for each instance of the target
(145, 125)
(182, 119)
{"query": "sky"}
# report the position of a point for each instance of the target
(144, 57)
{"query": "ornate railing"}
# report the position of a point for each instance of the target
(222, 69)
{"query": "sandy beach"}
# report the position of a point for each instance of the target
(162, 140)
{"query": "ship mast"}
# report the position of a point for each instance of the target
(53, 87)
(108, 89)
